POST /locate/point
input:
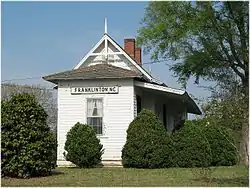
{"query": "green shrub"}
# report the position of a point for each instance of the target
(222, 143)
(191, 147)
(148, 144)
(27, 144)
(82, 146)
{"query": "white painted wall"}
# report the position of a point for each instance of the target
(118, 113)
(153, 101)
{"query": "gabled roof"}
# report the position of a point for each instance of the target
(99, 71)
(106, 38)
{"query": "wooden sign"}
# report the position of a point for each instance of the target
(96, 90)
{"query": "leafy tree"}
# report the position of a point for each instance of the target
(227, 112)
(148, 144)
(82, 146)
(209, 40)
(45, 97)
(28, 146)
(227, 109)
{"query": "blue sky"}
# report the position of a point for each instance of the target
(40, 38)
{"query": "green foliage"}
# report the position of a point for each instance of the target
(28, 146)
(191, 147)
(227, 109)
(210, 39)
(221, 141)
(148, 144)
(45, 97)
(82, 146)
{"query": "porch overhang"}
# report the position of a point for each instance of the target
(192, 107)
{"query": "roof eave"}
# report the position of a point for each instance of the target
(193, 107)
(56, 80)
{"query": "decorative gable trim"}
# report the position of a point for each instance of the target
(105, 39)
(130, 59)
(89, 53)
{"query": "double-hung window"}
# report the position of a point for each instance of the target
(95, 114)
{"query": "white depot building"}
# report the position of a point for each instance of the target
(107, 89)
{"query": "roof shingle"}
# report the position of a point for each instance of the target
(99, 71)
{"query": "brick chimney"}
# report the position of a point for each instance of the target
(129, 47)
(138, 55)
(134, 53)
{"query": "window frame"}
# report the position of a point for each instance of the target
(95, 98)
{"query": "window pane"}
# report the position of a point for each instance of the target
(94, 114)
(98, 107)
(96, 123)
(90, 107)
(94, 107)
(98, 129)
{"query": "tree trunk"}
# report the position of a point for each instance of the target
(244, 144)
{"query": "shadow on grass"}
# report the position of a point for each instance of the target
(56, 172)
(53, 173)
(239, 181)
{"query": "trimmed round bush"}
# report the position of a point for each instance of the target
(82, 146)
(191, 147)
(222, 143)
(28, 146)
(148, 144)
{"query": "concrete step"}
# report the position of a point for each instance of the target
(105, 163)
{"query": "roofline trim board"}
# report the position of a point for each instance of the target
(160, 88)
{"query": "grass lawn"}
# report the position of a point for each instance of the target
(221, 176)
